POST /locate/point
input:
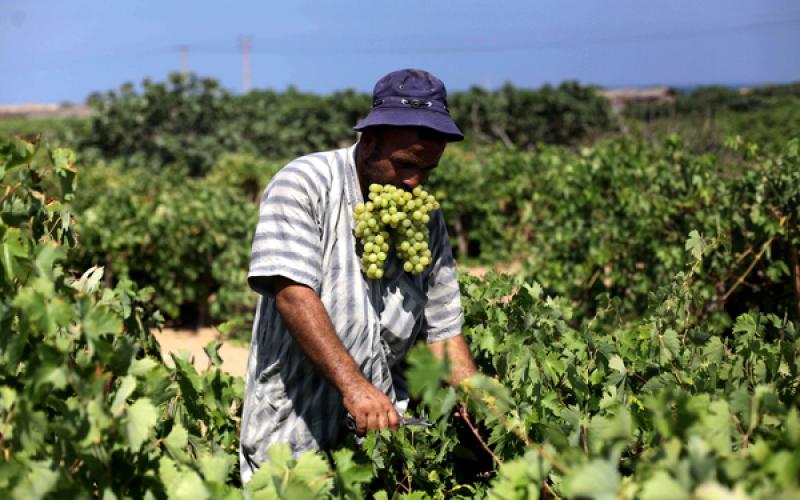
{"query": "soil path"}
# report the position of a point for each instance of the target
(234, 357)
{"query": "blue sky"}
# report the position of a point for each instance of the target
(53, 51)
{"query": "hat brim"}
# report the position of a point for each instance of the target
(409, 117)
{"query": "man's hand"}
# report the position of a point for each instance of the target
(370, 408)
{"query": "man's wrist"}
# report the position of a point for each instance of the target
(353, 386)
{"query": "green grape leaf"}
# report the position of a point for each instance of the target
(126, 388)
(37, 483)
(663, 487)
(695, 244)
(215, 467)
(181, 484)
(176, 442)
(141, 418)
(597, 479)
(350, 477)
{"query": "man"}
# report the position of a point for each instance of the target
(327, 341)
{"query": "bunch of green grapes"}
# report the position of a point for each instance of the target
(406, 215)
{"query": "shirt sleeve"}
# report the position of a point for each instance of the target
(287, 240)
(443, 314)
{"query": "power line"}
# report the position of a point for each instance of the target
(513, 47)
(212, 48)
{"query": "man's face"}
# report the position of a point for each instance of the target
(397, 156)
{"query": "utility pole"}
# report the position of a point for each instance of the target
(245, 42)
(184, 51)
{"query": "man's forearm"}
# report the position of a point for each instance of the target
(311, 327)
(461, 364)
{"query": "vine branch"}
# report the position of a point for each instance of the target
(752, 265)
(465, 416)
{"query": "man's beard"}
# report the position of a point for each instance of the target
(370, 170)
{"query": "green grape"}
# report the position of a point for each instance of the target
(406, 215)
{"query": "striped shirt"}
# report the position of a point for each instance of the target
(305, 233)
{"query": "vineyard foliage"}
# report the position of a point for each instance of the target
(613, 219)
(87, 404)
(648, 345)
(607, 220)
(186, 237)
(716, 99)
(665, 406)
(768, 115)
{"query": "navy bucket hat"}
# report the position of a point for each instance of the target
(411, 98)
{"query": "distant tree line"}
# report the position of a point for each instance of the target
(714, 99)
(192, 121)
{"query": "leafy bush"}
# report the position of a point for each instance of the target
(523, 117)
(88, 406)
(660, 407)
(190, 121)
(188, 238)
(184, 121)
(612, 219)
(704, 118)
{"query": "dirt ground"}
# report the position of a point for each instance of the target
(234, 357)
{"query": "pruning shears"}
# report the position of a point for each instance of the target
(424, 422)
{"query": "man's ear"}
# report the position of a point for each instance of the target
(368, 142)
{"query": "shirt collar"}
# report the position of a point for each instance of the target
(354, 195)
